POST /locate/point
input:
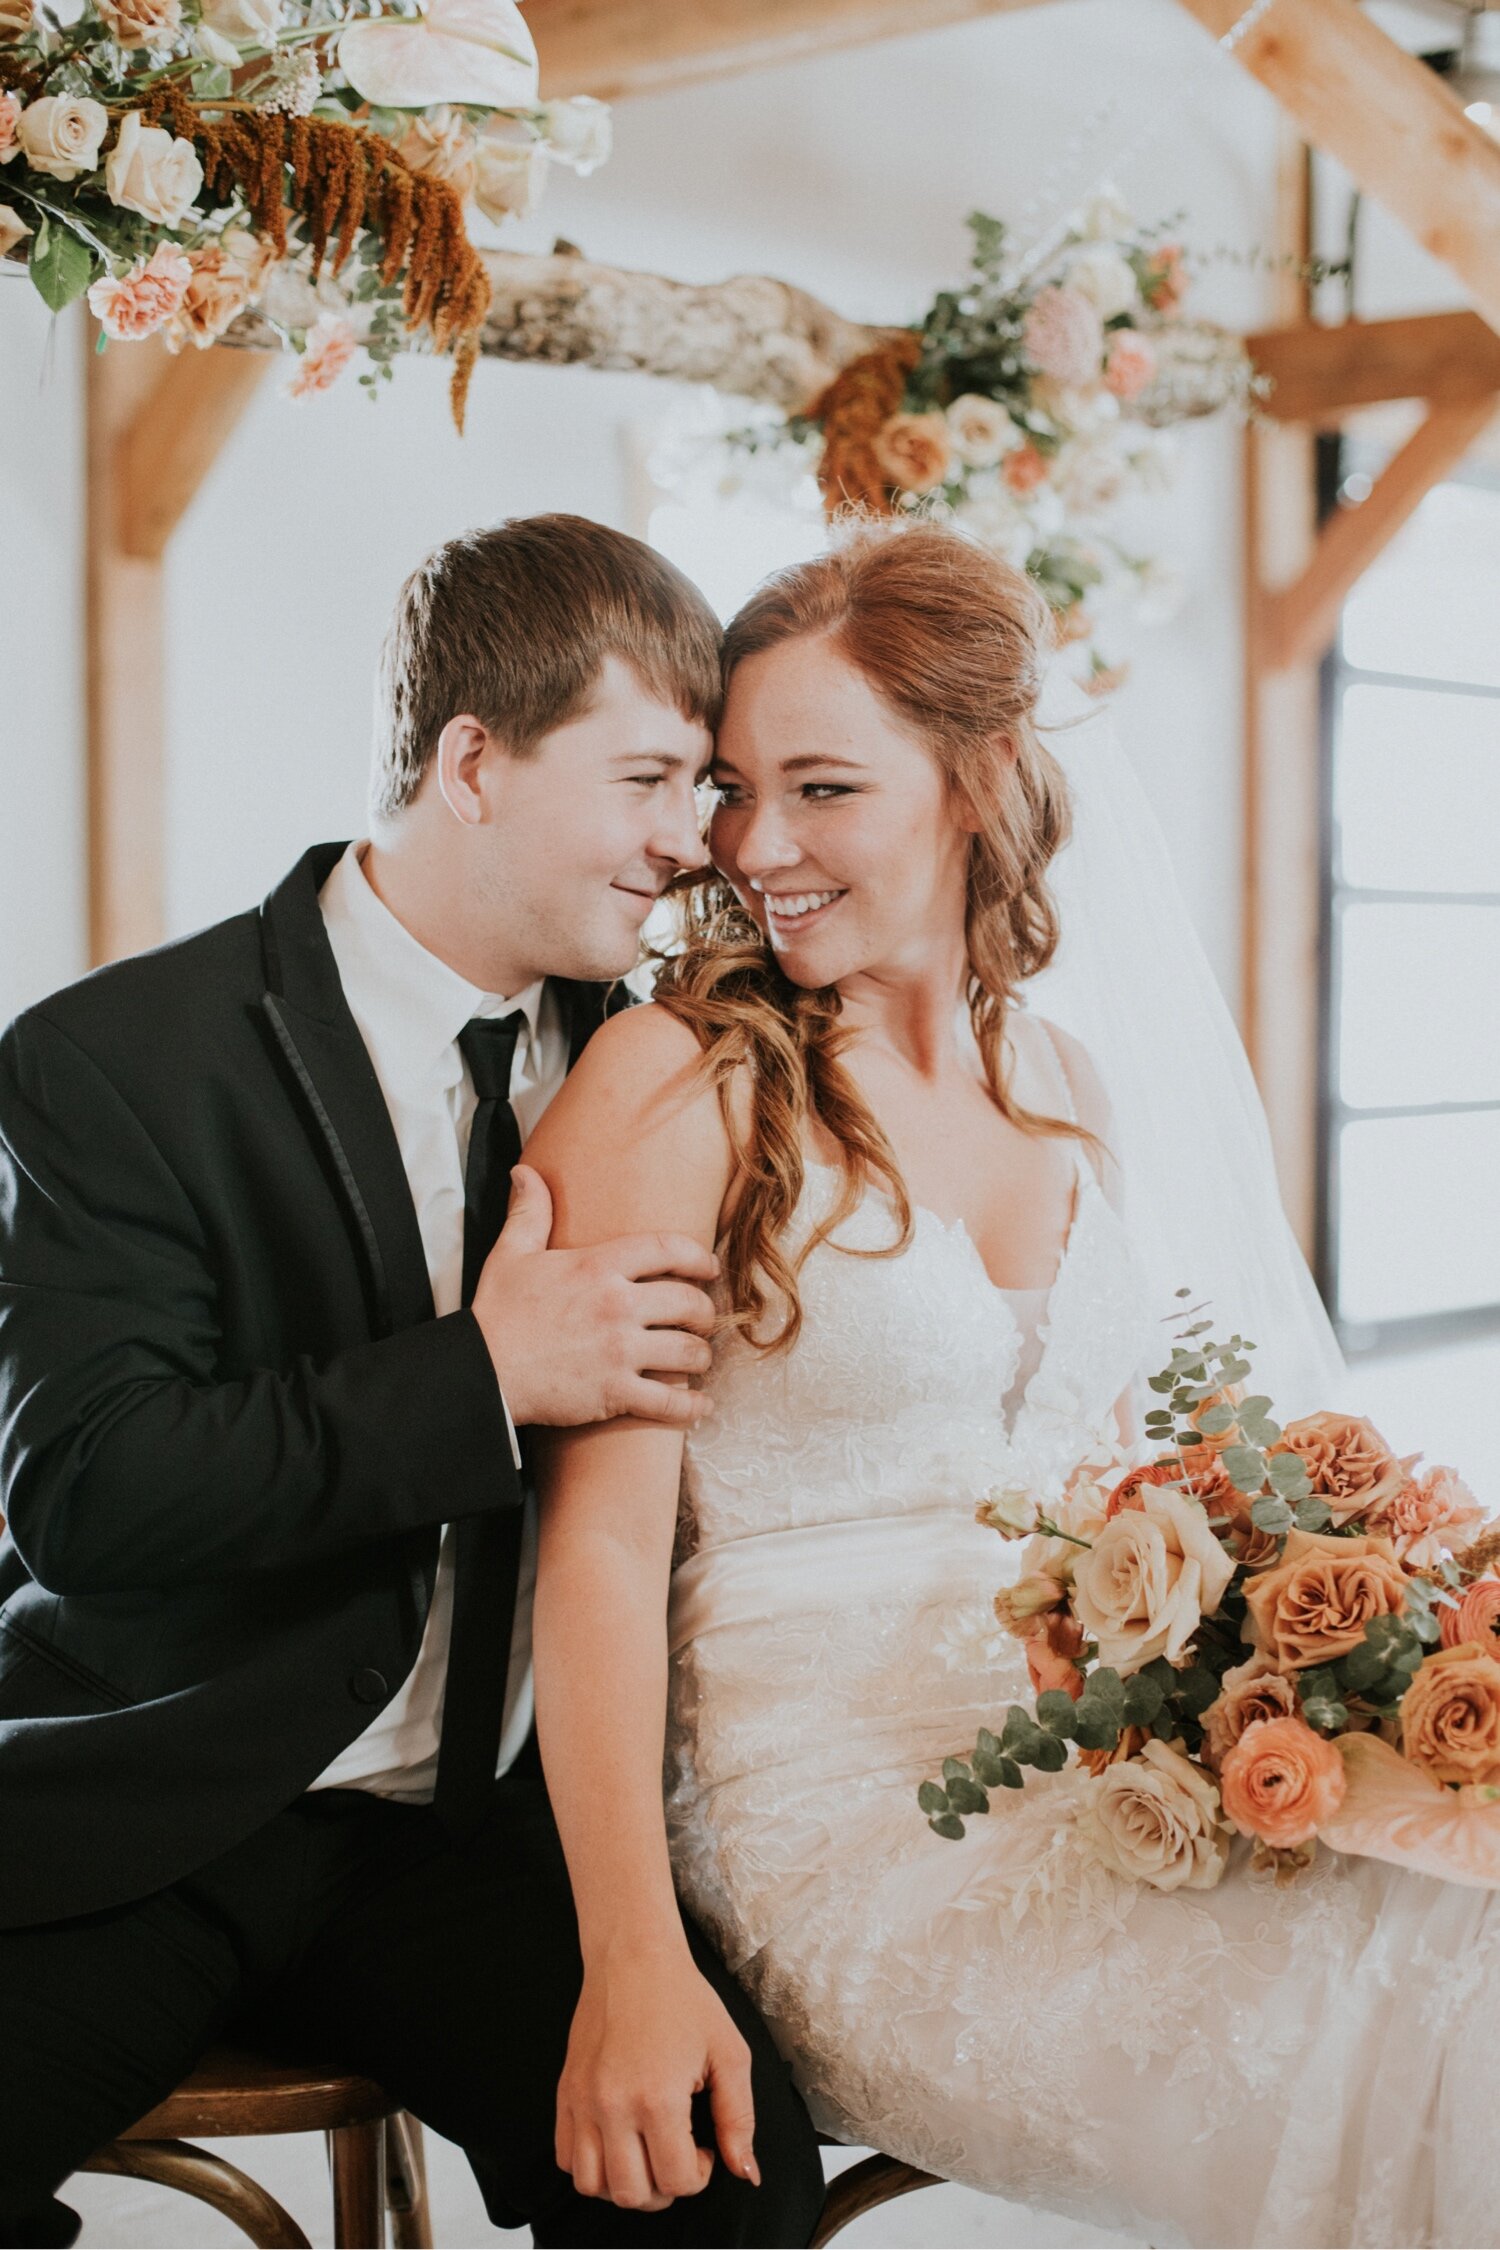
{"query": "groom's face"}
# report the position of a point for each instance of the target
(586, 832)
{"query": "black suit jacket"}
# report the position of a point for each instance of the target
(230, 1424)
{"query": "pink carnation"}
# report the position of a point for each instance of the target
(1425, 1518)
(10, 117)
(331, 344)
(147, 297)
(1131, 364)
(1065, 337)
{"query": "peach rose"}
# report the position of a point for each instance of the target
(13, 229)
(62, 136)
(1052, 1652)
(1281, 1782)
(913, 451)
(225, 278)
(142, 23)
(1130, 365)
(1205, 1474)
(1348, 1462)
(17, 18)
(1164, 281)
(1156, 1819)
(1132, 1742)
(1152, 1574)
(1476, 1619)
(145, 298)
(10, 118)
(1018, 1607)
(1024, 468)
(441, 144)
(331, 344)
(149, 170)
(1314, 1605)
(1248, 1693)
(1450, 1715)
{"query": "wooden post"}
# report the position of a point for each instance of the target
(154, 426)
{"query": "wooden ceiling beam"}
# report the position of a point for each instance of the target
(615, 48)
(1321, 374)
(1388, 119)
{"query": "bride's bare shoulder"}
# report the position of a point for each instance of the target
(1084, 1083)
(635, 1138)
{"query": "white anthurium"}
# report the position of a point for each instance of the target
(467, 51)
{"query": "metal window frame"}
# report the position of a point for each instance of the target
(1418, 1331)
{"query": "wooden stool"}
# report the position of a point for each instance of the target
(864, 2187)
(374, 2150)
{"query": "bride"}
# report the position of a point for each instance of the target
(856, 1082)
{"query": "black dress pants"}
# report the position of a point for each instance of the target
(351, 1930)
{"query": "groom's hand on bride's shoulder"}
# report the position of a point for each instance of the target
(587, 1335)
(649, 2034)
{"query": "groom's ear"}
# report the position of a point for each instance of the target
(457, 764)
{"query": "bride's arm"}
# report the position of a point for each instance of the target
(633, 1143)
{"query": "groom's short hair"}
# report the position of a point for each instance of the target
(514, 623)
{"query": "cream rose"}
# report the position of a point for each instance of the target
(17, 17)
(1105, 278)
(1156, 1819)
(578, 131)
(150, 171)
(13, 229)
(1010, 1509)
(442, 145)
(142, 23)
(62, 136)
(1153, 1572)
(254, 22)
(508, 174)
(225, 278)
(981, 430)
(1314, 1605)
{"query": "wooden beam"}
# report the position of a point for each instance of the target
(153, 425)
(1388, 119)
(175, 437)
(1302, 618)
(614, 48)
(1320, 374)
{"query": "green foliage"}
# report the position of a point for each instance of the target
(61, 267)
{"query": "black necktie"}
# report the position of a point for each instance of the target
(486, 1548)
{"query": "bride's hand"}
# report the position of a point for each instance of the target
(648, 2034)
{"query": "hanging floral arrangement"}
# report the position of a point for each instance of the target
(184, 161)
(1026, 407)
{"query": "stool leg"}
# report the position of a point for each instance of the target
(406, 2183)
(357, 2155)
(193, 2171)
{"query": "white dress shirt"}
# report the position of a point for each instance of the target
(410, 1008)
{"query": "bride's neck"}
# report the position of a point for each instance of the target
(913, 1013)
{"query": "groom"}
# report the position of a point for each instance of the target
(267, 1767)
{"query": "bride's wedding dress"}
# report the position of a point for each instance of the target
(1318, 2064)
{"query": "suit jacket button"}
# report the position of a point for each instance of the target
(368, 1686)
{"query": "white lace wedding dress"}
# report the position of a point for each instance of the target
(1313, 2065)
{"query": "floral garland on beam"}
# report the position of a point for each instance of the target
(1024, 410)
(182, 161)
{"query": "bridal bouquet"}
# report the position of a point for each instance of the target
(183, 161)
(1287, 1633)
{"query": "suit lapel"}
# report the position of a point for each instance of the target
(330, 1067)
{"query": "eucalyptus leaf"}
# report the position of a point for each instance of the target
(967, 1797)
(1143, 1700)
(949, 1826)
(1271, 1513)
(60, 266)
(1049, 1754)
(932, 1797)
(1057, 1712)
(1217, 1420)
(1288, 1473)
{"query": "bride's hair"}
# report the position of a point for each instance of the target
(954, 641)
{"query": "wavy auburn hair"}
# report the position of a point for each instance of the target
(954, 642)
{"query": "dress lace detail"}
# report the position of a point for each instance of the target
(1310, 2065)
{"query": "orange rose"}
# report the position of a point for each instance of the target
(1199, 1467)
(914, 450)
(1248, 1694)
(1024, 468)
(1450, 1715)
(1132, 1741)
(1281, 1781)
(1313, 1607)
(1348, 1462)
(1476, 1619)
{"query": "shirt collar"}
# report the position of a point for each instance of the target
(415, 1004)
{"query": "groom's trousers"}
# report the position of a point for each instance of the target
(352, 1931)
